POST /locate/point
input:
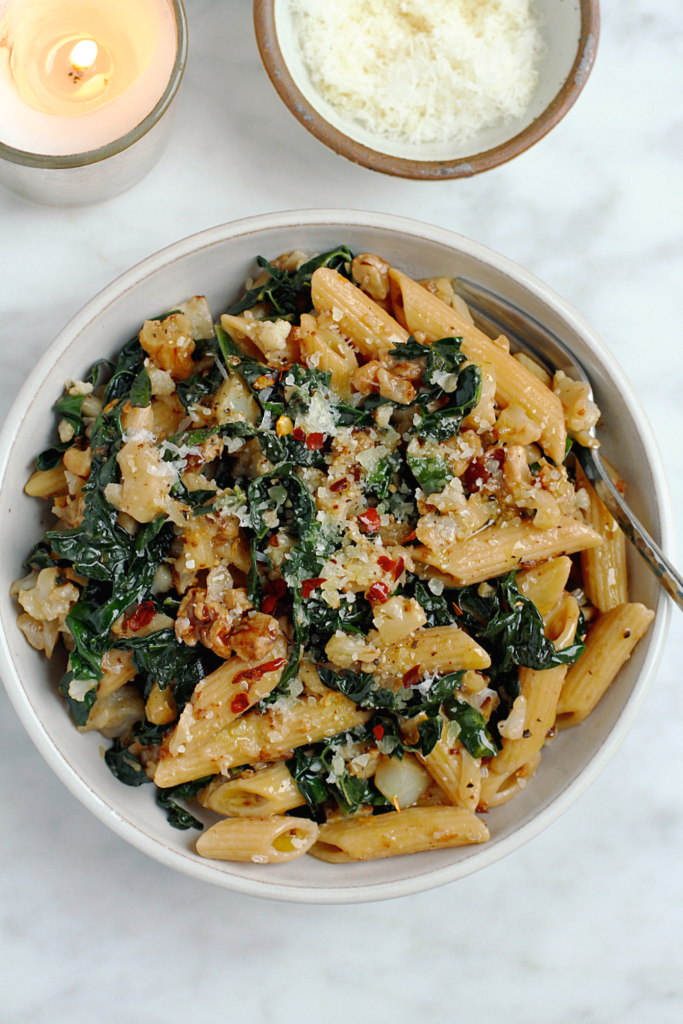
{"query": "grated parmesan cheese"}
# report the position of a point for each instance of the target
(423, 70)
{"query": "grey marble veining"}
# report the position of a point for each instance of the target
(582, 925)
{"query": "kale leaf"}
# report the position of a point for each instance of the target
(177, 816)
(432, 472)
(287, 292)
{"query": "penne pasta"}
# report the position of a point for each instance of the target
(497, 789)
(603, 568)
(446, 648)
(422, 312)
(500, 548)
(456, 772)
(275, 840)
(609, 645)
(395, 833)
(256, 737)
(371, 329)
(257, 794)
(541, 691)
(544, 584)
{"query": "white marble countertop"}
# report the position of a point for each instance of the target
(583, 924)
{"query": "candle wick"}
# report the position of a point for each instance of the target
(83, 56)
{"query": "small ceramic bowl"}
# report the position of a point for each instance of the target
(215, 263)
(570, 30)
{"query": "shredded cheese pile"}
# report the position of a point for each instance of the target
(421, 70)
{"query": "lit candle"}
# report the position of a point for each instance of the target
(79, 78)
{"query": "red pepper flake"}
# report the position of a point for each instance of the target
(370, 520)
(142, 617)
(276, 590)
(378, 593)
(379, 732)
(412, 676)
(411, 536)
(298, 434)
(239, 703)
(400, 566)
(252, 674)
(315, 441)
(193, 462)
(386, 564)
(339, 485)
(274, 540)
(308, 586)
(458, 611)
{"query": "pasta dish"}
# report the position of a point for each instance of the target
(327, 567)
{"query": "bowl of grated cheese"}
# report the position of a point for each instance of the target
(428, 89)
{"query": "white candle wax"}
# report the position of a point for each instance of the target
(76, 75)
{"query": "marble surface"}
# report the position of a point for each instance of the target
(583, 924)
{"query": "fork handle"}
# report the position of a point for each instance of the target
(666, 573)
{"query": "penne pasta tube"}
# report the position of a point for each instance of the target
(47, 483)
(223, 696)
(371, 329)
(421, 311)
(273, 840)
(456, 772)
(603, 568)
(398, 832)
(544, 584)
(326, 350)
(254, 794)
(446, 648)
(500, 548)
(257, 737)
(541, 691)
(608, 646)
(497, 789)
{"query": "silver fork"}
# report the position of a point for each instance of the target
(493, 314)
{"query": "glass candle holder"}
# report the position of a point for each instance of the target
(83, 118)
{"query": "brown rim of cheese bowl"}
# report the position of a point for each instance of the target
(460, 167)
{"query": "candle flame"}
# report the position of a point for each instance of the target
(83, 55)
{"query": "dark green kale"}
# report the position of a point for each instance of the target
(426, 698)
(379, 479)
(473, 732)
(141, 391)
(177, 816)
(443, 381)
(432, 472)
(316, 771)
(162, 659)
(124, 766)
(288, 292)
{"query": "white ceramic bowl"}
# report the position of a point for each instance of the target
(215, 263)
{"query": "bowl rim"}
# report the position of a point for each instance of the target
(481, 856)
(425, 170)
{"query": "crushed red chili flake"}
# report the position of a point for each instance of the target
(274, 540)
(276, 590)
(378, 593)
(458, 611)
(193, 462)
(481, 469)
(412, 676)
(400, 566)
(298, 434)
(370, 520)
(378, 732)
(411, 536)
(239, 703)
(142, 616)
(339, 485)
(315, 441)
(252, 674)
(308, 586)
(386, 564)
